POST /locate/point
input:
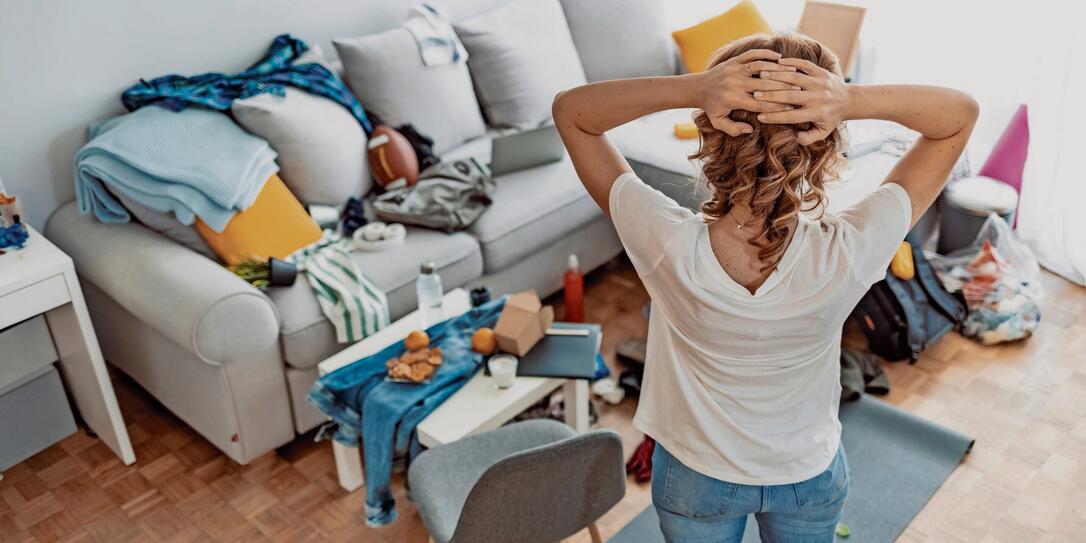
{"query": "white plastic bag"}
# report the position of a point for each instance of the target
(1000, 279)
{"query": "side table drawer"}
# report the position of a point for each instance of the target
(33, 300)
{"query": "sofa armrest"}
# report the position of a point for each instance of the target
(193, 301)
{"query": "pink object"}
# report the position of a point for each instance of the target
(1008, 158)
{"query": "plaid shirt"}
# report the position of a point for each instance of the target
(274, 72)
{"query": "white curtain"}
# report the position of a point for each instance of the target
(1004, 54)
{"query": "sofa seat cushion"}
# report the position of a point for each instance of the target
(307, 337)
(531, 209)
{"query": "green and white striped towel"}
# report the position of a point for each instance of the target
(354, 305)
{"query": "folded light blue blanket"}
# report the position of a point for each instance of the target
(193, 163)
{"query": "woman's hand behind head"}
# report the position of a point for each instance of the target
(730, 85)
(823, 99)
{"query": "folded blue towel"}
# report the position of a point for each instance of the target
(194, 163)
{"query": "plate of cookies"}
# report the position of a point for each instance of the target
(418, 363)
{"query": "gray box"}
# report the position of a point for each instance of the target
(34, 411)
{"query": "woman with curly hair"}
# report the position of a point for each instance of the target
(741, 384)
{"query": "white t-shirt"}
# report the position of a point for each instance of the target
(745, 387)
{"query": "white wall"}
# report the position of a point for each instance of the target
(64, 63)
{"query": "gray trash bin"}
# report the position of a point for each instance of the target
(967, 204)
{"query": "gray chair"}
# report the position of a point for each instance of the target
(533, 481)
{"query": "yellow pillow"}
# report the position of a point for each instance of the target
(699, 42)
(275, 225)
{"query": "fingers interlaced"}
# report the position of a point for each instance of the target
(804, 66)
(767, 66)
(792, 116)
(757, 54)
(794, 78)
(795, 97)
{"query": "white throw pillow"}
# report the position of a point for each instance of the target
(321, 146)
(621, 38)
(386, 73)
(520, 55)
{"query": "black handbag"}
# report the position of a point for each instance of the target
(901, 317)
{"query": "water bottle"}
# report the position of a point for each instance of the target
(429, 292)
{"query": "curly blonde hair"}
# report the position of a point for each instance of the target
(768, 170)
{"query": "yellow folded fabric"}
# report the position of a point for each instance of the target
(686, 131)
(275, 225)
(699, 42)
(902, 265)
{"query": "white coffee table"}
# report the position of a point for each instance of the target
(477, 407)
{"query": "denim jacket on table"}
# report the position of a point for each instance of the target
(384, 414)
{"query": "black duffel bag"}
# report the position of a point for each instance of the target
(901, 317)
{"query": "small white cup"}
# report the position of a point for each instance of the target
(503, 369)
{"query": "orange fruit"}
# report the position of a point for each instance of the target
(416, 340)
(483, 341)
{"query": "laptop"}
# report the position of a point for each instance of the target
(526, 149)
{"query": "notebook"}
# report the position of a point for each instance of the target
(570, 357)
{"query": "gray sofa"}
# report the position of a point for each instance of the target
(235, 363)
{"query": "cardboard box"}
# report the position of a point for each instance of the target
(523, 322)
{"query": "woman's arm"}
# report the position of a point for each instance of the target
(583, 114)
(944, 118)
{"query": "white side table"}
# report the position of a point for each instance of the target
(41, 279)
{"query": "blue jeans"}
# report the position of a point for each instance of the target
(696, 508)
(383, 414)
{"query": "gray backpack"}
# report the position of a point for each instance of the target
(449, 196)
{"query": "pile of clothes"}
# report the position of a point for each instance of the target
(197, 164)
(999, 278)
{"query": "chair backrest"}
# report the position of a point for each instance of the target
(546, 493)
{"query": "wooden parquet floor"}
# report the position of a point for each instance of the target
(1024, 481)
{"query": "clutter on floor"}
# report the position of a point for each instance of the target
(861, 373)
(640, 463)
(897, 461)
(999, 279)
(609, 390)
(901, 317)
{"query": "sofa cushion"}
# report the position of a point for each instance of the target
(275, 225)
(321, 146)
(642, 38)
(699, 42)
(521, 55)
(386, 72)
(306, 335)
(531, 209)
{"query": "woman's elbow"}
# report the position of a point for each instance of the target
(970, 108)
(560, 105)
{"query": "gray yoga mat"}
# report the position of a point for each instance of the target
(898, 461)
